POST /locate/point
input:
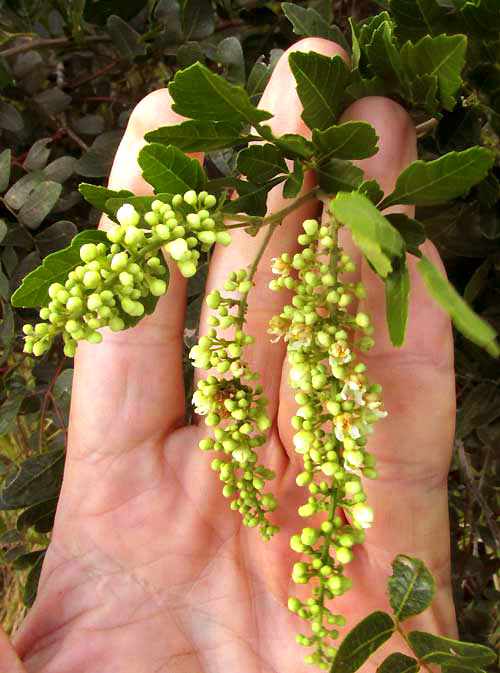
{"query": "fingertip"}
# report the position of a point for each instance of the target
(397, 139)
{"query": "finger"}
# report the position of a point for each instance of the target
(412, 445)
(9, 661)
(130, 387)
(281, 99)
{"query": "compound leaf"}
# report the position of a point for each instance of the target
(38, 479)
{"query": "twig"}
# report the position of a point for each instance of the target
(93, 75)
(471, 483)
(76, 138)
(50, 42)
(45, 403)
(426, 127)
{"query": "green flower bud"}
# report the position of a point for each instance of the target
(346, 540)
(188, 269)
(306, 510)
(344, 555)
(40, 347)
(151, 218)
(362, 320)
(224, 238)
(177, 248)
(157, 287)
(127, 215)
(54, 289)
(28, 329)
(302, 441)
(94, 302)
(119, 262)
(126, 279)
(91, 279)
(163, 232)
(74, 304)
(310, 227)
(134, 236)
(88, 252)
(210, 201)
(309, 536)
(294, 604)
(94, 338)
(115, 234)
(190, 197)
(207, 237)
(334, 583)
(116, 324)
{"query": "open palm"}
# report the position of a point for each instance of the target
(148, 569)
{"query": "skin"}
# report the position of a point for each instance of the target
(148, 570)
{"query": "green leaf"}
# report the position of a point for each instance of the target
(197, 19)
(398, 663)
(20, 190)
(352, 140)
(362, 641)
(397, 287)
(97, 160)
(57, 236)
(38, 155)
(8, 413)
(34, 290)
(10, 119)
(199, 136)
(293, 145)
(411, 230)
(252, 198)
(338, 175)
(442, 56)
(39, 203)
(5, 158)
(60, 169)
(321, 82)
(411, 587)
(423, 91)
(127, 41)
(199, 93)
(168, 169)
(294, 182)
(383, 54)
(261, 162)
(40, 516)
(482, 17)
(428, 183)
(417, 18)
(465, 319)
(378, 240)
(260, 74)
(230, 55)
(372, 190)
(438, 650)
(31, 585)
(37, 479)
(477, 281)
(97, 195)
(309, 23)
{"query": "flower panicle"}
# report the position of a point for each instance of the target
(337, 407)
(234, 406)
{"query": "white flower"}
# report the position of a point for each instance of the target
(362, 514)
(340, 354)
(353, 390)
(345, 425)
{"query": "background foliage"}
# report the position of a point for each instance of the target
(70, 73)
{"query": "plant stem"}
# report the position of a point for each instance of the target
(252, 271)
(50, 42)
(422, 663)
(275, 217)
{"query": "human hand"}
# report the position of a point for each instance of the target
(148, 570)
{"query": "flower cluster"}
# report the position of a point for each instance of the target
(337, 407)
(235, 408)
(116, 278)
(186, 224)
